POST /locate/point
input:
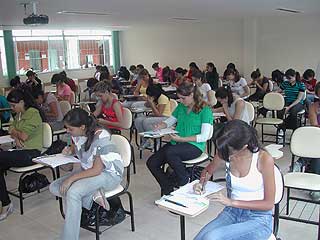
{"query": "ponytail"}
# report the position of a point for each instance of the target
(298, 77)
(225, 92)
(255, 74)
(91, 127)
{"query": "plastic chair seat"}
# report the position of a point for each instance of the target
(26, 169)
(203, 157)
(62, 131)
(269, 121)
(113, 192)
(307, 181)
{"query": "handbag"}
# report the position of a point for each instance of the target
(33, 182)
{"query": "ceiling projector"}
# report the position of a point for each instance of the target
(34, 19)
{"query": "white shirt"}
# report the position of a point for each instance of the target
(238, 87)
(204, 89)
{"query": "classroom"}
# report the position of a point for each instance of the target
(146, 119)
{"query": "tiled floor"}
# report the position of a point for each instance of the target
(42, 220)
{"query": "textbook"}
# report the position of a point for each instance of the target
(6, 139)
(185, 202)
(159, 133)
(55, 160)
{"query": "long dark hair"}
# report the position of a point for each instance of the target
(77, 117)
(230, 71)
(18, 94)
(234, 136)
(292, 73)
(256, 74)
(144, 72)
(155, 91)
(186, 88)
(223, 92)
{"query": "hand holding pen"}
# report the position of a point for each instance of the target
(68, 150)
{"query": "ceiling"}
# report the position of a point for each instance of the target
(128, 13)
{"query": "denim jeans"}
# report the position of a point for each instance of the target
(80, 194)
(145, 123)
(238, 224)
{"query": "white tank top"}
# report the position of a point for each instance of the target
(244, 115)
(250, 187)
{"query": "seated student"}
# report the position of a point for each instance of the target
(90, 87)
(109, 111)
(180, 76)
(161, 110)
(238, 84)
(69, 81)
(294, 91)
(310, 84)
(134, 74)
(250, 186)
(233, 106)
(312, 165)
(140, 90)
(168, 75)
(98, 72)
(101, 168)
(123, 73)
(26, 130)
(51, 108)
(229, 66)
(197, 78)
(192, 68)
(211, 76)
(15, 82)
(194, 122)
(158, 70)
(115, 83)
(262, 85)
(5, 116)
(33, 81)
(63, 92)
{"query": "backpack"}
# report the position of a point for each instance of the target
(55, 148)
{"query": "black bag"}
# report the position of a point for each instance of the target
(55, 148)
(33, 182)
(88, 217)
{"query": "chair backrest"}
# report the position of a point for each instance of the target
(250, 110)
(46, 135)
(65, 107)
(212, 100)
(127, 118)
(273, 101)
(173, 105)
(125, 149)
(305, 142)
(270, 85)
(279, 184)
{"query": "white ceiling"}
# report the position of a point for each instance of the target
(128, 13)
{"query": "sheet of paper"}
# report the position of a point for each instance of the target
(55, 160)
(159, 133)
(6, 139)
(187, 190)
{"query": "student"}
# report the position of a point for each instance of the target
(277, 76)
(238, 84)
(161, 110)
(211, 76)
(250, 186)
(15, 82)
(233, 106)
(192, 68)
(123, 73)
(180, 76)
(51, 108)
(312, 165)
(134, 74)
(168, 75)
(106, 74)
(204, 88)
(33, 81)
(63, 92)
(5, 116)
(98, 72)
(158, 70)
(101, 168)
(109, 111)
(294, 91)
(69, 81)
(229, 66)
(90, 87)
(26, 130)
(262, 85)
(194, 122)
(310, 84)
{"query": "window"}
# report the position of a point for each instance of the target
(3, 57)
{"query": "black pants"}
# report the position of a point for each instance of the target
(256, 96)
(8, 159)
(291, 121)
(312, 165)
(173, 155)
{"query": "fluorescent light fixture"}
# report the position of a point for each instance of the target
(83, 13)
(288, 10)
(184, 19)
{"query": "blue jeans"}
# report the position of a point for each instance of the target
(238, 224)
(80, 194)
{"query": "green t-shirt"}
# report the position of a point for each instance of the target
(30, 122)
(189, 124)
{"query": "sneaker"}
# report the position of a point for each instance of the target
(6, 212)
(119, 217)
(315, 196)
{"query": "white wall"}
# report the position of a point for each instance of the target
(179, 44)
(267, 43)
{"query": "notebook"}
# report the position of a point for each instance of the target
(159, 133)
(6, 139)
(55, 160)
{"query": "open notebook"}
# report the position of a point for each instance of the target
(55, 160)
(159, 133)
(185, 202)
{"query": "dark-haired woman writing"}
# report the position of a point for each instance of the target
(194, 123)
(101, 168)
(26, 130)
(250, 186)
(262, 85)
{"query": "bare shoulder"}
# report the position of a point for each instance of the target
(265, 160)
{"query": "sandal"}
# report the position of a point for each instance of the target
(99, 198)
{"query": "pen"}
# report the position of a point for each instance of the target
(204, 182)
(176, 203)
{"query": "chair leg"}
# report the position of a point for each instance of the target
(276, 220)
(262, 139)
(131, 211)
(288, 198)
(97, 231)
(133, 160)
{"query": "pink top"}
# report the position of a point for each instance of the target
(64, 90)
(159, 74)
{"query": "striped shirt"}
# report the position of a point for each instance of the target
(292, 91)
